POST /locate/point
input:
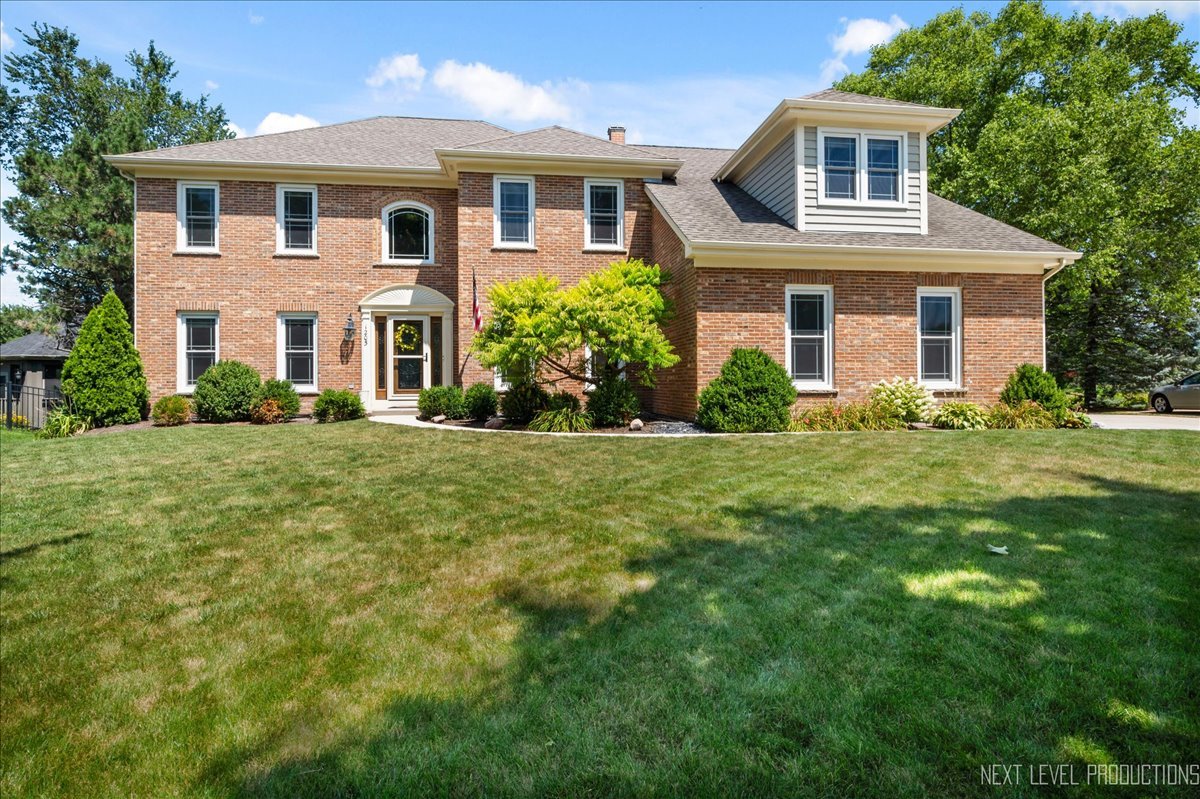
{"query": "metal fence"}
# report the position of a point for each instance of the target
(26, 406)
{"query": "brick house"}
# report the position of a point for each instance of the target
(345, 256)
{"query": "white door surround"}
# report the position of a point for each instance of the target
(404, 301)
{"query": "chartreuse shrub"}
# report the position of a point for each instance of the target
(171, 411)
(1034, 384)
(1025, 415)
(563, 419)
(103, 376)
(445, 401)
(226, 392)
(849, 416)
(62, 423)
(613, 402)
(960, 416)
(481, 402)
(752, 394)
(523, 401)
(282, 393)
(907, 399)
(338, 405)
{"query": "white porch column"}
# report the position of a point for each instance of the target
(367, 387)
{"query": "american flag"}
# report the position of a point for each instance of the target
(476, 311)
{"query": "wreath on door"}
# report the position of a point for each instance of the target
(406, 337)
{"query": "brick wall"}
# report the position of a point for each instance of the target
(674, 392)
(249, 285)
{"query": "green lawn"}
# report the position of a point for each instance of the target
(364, 610)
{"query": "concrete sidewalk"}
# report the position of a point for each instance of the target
(1148, 420)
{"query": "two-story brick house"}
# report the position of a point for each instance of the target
(346, 256)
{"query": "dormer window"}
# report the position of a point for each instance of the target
(861, 167)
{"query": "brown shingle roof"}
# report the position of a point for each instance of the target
(705, 210)
(557, 140)
(376, 142)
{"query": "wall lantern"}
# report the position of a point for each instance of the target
(348, 330)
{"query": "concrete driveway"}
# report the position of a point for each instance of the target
(1148, 420)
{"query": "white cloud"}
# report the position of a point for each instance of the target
(211, 85)
(6, 41)
(503, 95)
(857, 37)
(400, 70)
(1120, 9)
(276, 122)
(237, 129)
(256, 19)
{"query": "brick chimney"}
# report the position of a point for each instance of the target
(616, 134)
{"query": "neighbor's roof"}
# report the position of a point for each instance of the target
(376, 142)
(33, 347)
(707, 211)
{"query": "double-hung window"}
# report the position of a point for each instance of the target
(810, 336)
(408, 233)
(199, 213)
(296, 220)
(198, 348)
(603, 214)
(297, 354)
(939, 337)
(861, 167)
(513, 211)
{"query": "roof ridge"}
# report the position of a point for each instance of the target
(632, 147)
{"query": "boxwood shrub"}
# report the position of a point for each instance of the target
(752, 394)
(338, 405)
(284, 395)
(613, 403)
(226, 392)
(442, 400)
(170, 411)
(523, 401)
(1033, 383)
(481, 402)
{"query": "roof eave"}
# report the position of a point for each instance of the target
(453, 159)
(250, 170)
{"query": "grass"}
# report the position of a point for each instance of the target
(365, 610)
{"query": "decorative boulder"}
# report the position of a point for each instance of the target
(636, 424)
(495, 423)
(441, 417)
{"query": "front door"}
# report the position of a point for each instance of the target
(408, 340)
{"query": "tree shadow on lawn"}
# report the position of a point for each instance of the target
(872, 651)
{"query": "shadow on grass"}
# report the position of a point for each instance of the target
(872, 651)
(29, 549)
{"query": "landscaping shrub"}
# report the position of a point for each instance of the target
(170, 411)
(562, 420)
(103, 376)
(481, 402)
(1032, 383)
(960, 416)
(283, 393)
(62, 423)
(338, 405)
(561, 400)
(613, 403)
(523, 401)
(851, 416)
(1074, 420)
(226, 392)
(267, 411)
(18, 421)
(753, 394)
(1026, 415)
(908, 399)
(442, 400)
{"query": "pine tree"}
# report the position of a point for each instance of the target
(103, 376)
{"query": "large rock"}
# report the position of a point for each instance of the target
(441, 417)
(636, 424)
(495, 423)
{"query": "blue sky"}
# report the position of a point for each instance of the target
(695, 73)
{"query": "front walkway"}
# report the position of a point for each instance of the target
(1148, 420)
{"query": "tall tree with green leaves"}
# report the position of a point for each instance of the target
(1073, 129)
(59, 114)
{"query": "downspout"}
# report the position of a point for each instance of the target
(1051, 272)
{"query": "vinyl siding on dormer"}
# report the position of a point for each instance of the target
(772, 181)
(865, 219)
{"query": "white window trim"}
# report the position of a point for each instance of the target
(827, 292)
(956, 346)
(181, 383)
(588, 244)
(281, 354)
(498, 381)
(860, 182)
(512, 245)
(280, 241)
(181, 188)
(431, 233)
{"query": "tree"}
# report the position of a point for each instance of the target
(103, 375)
(21, 320)
(1071, 129)
(59, 114)
(617, 313)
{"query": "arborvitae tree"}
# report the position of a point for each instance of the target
(103, 375)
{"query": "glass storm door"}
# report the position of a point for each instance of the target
(408, 337)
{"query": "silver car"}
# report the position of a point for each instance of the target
(1181, 396)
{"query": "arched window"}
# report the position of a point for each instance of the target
(408, 233)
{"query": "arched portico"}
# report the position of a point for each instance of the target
(407, 344)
